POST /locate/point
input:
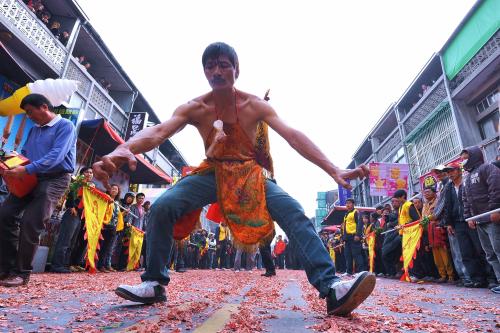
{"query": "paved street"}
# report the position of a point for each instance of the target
(212, 301)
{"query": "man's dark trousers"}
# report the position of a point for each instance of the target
(16, 253)
(267, 259)
(353, 251)
(473, 255)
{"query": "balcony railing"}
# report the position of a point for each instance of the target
(15, 14)
(491, 48)
(425, 106)
(97, 97)
(389, 145)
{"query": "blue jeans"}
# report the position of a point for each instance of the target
(198, 191)
(456, 255)
(70, 225)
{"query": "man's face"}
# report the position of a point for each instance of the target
(88, 174)
(37, 114)
(454, 174)
(140, 199)
(441, 175)
(349, 205)
(418, 204)
(429, 195)
(395, 203)
(220, 73)
(464, 156)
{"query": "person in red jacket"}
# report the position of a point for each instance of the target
(279, 252)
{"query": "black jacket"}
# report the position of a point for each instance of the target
(482, 185)
(453, 211)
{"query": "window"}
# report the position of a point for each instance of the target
(89, 114)
(76, 101)
(488, 126)
(485, 103)
(399, 157)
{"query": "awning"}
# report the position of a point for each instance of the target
(103, 139)
(336, 214)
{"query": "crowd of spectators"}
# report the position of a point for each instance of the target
(451, 250)
(44, 15)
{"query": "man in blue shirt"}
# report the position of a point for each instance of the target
(51, 148)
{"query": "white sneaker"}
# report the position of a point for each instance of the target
(148, 292)
(345, 296)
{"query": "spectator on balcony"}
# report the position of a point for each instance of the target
(64, 38)
(44, 17)
(81, 59)
(424, 88)
(105, 84)
(54, 28)
(86, 64)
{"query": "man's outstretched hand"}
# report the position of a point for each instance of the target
(109, 164)
(341, 176)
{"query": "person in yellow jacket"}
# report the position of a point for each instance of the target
(407, 214)
(352, 234)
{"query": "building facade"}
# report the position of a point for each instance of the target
(57, 41)
(452, 103)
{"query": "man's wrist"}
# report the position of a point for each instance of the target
(30, 169)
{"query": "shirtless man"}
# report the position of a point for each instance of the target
(232, 106)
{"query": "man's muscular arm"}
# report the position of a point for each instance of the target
(144, 141)
(305, 147)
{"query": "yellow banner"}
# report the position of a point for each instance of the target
(120, 224)
(134, 248)
(96, 205)
(370, 240)
(411, 243)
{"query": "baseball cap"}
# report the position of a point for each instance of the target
(453, 165)
(439, 168)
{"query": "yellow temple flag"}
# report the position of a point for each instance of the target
(120, 224)
(412, 234)
(134, 248)
(332, 254)
(109, 214)
(95, 206)
(370, 240)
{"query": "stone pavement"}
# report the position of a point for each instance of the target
(226, 301)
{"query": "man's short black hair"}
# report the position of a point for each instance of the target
(350, 200)
(214, 50)
(140, 194)
(84, 169)
(379, 207)
(432, 188)
(400, 193)
(37, 101)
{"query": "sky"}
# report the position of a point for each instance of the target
(333, 67)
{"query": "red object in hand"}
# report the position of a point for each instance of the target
(18, 186)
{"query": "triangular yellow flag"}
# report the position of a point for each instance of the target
(95, 206)
(412, 233)
(370, 240)
(134, 248)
